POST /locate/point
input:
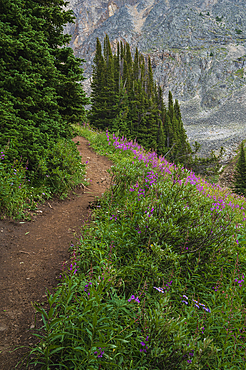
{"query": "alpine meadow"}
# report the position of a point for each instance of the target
(156, 277)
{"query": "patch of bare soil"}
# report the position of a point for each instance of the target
(32, 253)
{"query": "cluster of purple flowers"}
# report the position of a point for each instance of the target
(168, 286)
(216, 288)
(165, 167)
(196, 304)
(191, 354)
(99, 353)
(141, 192)
(133, 298)
(218, 206)
(87, 287)
(151, 178)
(144, 345)
(113, 216)
(241, 281)
(73, 266)
(138, 229)
(150, 212)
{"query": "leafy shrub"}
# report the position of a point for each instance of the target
(219, 19)
(238, 31)
(60, 168)
(13, 187)
(58, 171)
(240, 73)
(91, 327)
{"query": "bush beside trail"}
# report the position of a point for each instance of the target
(39, 99)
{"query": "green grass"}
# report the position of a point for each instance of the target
(157, 279)
(58, 171)
(240, 73)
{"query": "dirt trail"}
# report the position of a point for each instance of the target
(31, 255)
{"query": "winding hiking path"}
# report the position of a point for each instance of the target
(32, 253)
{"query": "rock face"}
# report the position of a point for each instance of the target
(198, 51)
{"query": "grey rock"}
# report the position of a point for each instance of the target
(198, 51)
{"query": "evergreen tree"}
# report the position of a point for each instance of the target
(72, 97)
(161, 137)
(32, 112)
(150, 80)
(170, 105)
(105, 90)
(136, 108)
(183, 146)
(117, 71)
(136, 66)
(111, 98)
(239, 183)
(177, 110)
(97, 115)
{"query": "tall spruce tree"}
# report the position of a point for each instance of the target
(161, 137)
(239, 183)
(105, 87)
(110, 85)
(97, 115)
(72, 98)
(136, 107)
(33, 111)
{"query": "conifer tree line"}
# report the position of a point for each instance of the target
(239, 180)
(126, 98)
(39, 93)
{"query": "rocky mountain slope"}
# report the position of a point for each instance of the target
(198, 50)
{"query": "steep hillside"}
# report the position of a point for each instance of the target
(198, 49)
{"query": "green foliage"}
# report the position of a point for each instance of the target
(156, 280)
(89, 326)
(60, 169)
(39, 91)
(238, 31)
(104, 87)
(219, 19)
(13, 188)
(239, 182)
(240, 73)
